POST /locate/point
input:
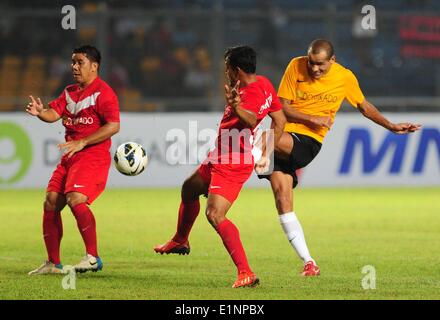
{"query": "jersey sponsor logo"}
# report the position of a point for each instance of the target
(67, 121)
(317, 97)
(78, 186)
(76, 107)
(266, 105)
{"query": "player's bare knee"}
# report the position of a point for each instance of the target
(214, 215)
(187, 192)
(191, 189)
(49, 205)
(73, 199)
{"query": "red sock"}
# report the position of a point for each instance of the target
(188, 212)
(87, 227)
(231, 239)
(52, 233)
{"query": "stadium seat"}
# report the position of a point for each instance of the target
(87, 34)
(150, 63)
(182, 55)
(36, 61)
(33, 77)
(51, 85)
(150, 106)
(10, 71)
(11, 61)
(131, 100)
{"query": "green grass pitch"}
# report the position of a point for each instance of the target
(395, 230)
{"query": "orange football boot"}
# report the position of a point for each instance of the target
(246, 279)
(173, 247)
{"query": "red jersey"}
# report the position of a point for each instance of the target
(83, 112)
(235, 138)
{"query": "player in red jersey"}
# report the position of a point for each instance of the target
(89, 110)
(249, 98)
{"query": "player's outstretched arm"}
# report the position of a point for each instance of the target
(103, 133)
(36, 108)
(312, 121)
(370, 111)
(233, 99)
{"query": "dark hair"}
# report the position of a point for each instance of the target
(90, 52)
(319, 45)
(243, 57)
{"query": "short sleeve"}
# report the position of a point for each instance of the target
(108, 108)
(287, 86)
(249, 100)
(353, 92)
(276, 104)
(59, 104)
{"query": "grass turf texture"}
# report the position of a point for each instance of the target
(394, 230)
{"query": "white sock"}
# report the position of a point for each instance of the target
(294, 232)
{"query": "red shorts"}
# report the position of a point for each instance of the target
(84, 173)
(225, 179)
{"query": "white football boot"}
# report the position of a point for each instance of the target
(89, 263)
(47, 268)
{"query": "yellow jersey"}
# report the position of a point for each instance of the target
(320, 97)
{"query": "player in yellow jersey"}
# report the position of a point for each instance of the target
(311, 91)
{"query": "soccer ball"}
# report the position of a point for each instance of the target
(130, 158)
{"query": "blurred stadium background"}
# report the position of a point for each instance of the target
(167, 55)
(164, 59)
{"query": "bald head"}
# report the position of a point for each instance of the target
(320, 57)
(319, 45)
